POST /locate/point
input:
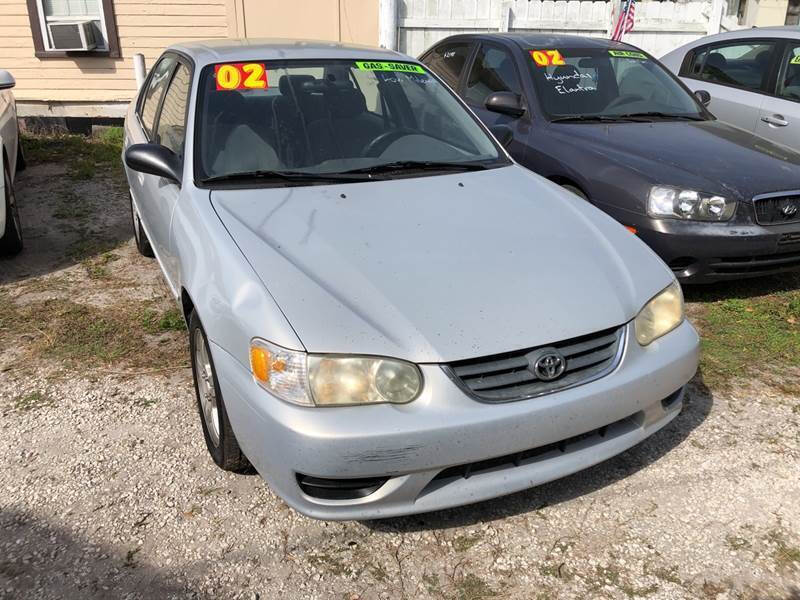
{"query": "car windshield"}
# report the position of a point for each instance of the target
(601, 84)
(300, 120)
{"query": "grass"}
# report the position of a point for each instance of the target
(32, 401)
(84, 156)
(749, 329)
(79, 335)
(472, 587)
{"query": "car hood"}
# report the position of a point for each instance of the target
(712, 155)
(440, 268)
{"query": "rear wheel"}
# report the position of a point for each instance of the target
(11, 241)
(139, 236)
(220, 439)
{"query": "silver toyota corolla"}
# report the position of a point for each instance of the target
(387, 315)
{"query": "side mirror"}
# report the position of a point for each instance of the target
(7, 80)
(155, 159)
(503, 134)
(703, 96)
(505, 103)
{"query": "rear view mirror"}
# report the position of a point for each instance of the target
(155, 159)
(703, 96)
(505, 103)
(7, 80)
(503, 134)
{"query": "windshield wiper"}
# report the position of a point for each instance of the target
(417, 165)
(291, 176)
(659, 115)
(589, 118)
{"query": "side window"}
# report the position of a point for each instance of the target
(172, 122)
(695, 64)
(492, 71)
(155, 89)
(448, 60)
(789, 75)
(744, 64)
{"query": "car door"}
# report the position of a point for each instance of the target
(160, 193)
(736, 74)
(148, 105)
(493, 69)
(779, 117)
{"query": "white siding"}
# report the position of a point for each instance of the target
(660, 26)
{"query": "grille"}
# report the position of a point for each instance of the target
(789, 238)
(756, 264)
(508, 377)
(770, 211)
(548, 451)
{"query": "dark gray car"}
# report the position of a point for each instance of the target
(609, 122)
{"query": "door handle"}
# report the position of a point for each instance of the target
(775, 120)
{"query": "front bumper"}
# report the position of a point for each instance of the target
(702, 252)
(424, 448)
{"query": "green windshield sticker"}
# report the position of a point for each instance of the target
(627, 54)
(388, 66)
(795, 60)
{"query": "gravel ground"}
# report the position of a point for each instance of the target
(108, 491)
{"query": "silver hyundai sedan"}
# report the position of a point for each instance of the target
(387, 315)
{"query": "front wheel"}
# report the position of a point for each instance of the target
(139, 236)
(11, 240)
(220, 439)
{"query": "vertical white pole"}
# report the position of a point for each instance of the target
(138, 69)
(505, 16)
(387, 24)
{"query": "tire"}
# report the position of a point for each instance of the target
(11, 241)
(139, 236)
(574, 190)
(220, 439)
(21, 164)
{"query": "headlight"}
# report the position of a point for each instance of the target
(327, 380)
(281, 372)
(688, 204)
(661, 315)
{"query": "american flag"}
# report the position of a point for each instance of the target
(625, 22)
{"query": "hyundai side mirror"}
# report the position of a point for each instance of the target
(503, 134)
(505, 103)
(155, 159)
(703, 96)
(7, 80)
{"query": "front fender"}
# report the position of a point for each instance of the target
(230, 299)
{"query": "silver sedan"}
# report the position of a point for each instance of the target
(387, 315)
(752, 75)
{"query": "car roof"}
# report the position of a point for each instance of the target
(231, 50)
(777, 31)
(526, 40)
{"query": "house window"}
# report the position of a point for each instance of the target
(65, 27)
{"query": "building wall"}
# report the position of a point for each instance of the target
(101, 87)
(341, 20)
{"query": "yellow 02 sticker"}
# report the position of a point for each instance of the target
(545, 58)
(241, 76)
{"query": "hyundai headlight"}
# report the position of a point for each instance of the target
(661, 315)
(676, 203)
(331, 380)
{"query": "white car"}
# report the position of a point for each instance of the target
(753, 76)
(10, 228)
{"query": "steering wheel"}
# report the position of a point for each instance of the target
(378, 145)
(624, 99)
